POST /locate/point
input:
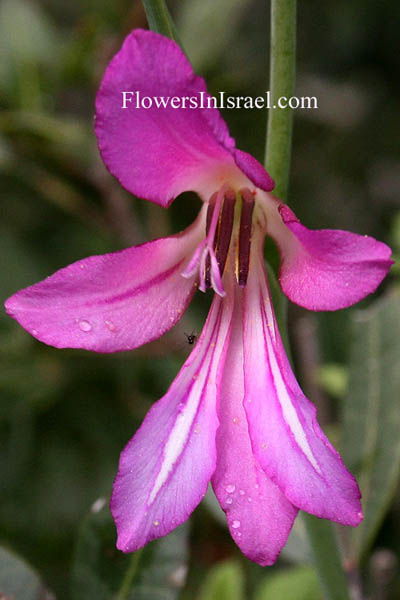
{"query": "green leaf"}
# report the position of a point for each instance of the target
(160, 19)
(297, 583)
(371, 419)
(334, 379)
(225, 581)
(17, 579)
(26, 31)
(297, 548)
(27, 40)
(100, 571)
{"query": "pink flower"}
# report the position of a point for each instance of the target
(235, 414)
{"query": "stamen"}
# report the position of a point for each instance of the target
(225, 229)
(219, 225)
(210, 211)
(223, 233)
(245, 235)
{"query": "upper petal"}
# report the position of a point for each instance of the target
(254, 170)
(328, 269)
(259, 515)
(287, 440)
(112, 302)
(159, 152)
(166, 467)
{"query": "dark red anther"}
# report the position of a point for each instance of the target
(210, 212)
(223, 233)
(225, 229)
(245, 235)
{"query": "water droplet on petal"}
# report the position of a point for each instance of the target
(229, 500)
(235, 420)
(156, 523)
(85, 325)
(241, 492)
(250, 499)
(110, 325)
(235, 524)
(34, 332)
(230, 488)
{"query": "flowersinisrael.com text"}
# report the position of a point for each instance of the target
(134, 99)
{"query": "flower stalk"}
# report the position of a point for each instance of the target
(159, 19)
(282, 83)
(321, 533)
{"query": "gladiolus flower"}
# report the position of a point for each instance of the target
(235, 414)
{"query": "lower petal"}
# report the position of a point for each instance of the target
(112, 302)
(287, 440)
(328, 269)
(165, 469)
(259, 516)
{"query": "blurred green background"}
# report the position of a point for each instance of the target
(65, 415)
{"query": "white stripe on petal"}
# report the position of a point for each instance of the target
(180, 431)
(191, 396)
(288, 410)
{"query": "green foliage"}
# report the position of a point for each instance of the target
(298, 583)
(334, 379)
(100, 571)
(371, 416)
(297, 549)
(66, 415)
(195, 21)
(224, 581)
(17, 579)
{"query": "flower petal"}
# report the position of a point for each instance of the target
(112, 302)
(165, 469)
(328, 269)
(258, 514)
(159, 152)
(287, 440)
(254, 170)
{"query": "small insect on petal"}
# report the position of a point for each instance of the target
(191, 338)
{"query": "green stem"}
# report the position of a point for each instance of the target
(126, 585)
(282, 83)
(322, 536)
(327, 558)
(160, 19)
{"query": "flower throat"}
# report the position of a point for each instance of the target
(223, 233)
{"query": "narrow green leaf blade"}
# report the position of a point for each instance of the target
(159, 18)
(371, 419)
(100, 571)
